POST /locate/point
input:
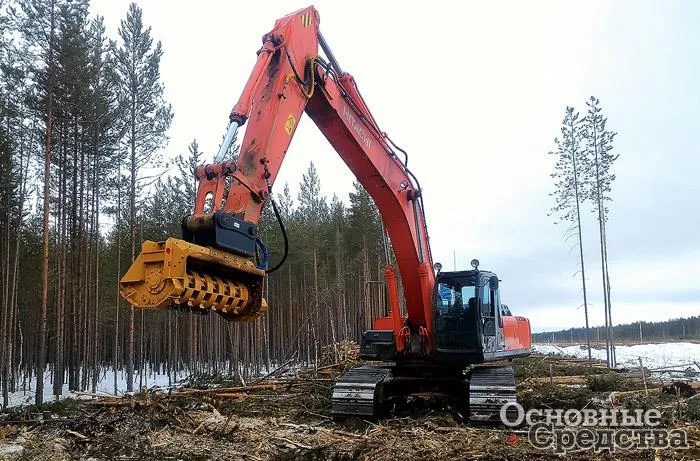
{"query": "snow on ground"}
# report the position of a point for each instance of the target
(680, 355)
(105, 386)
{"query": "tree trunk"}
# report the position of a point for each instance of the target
(580, 247)
(60, 364)
(41, 362)
(9, 328)
(169, 356)
(599, 204)
(96, 233)
(607, 294)
(142, 354)
(117, 304)
(132, 236)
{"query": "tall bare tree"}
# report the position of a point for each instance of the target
(569, 190)
(599, 179)
(146, 119)
(41, 363)
(36, 21)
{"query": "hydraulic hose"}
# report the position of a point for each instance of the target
(284, 236)
(265, 254)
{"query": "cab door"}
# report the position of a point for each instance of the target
(491, 318)
(488, 317)
(500, 337)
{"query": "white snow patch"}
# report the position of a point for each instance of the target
(105, 386)
(680, 355)
(7, 449)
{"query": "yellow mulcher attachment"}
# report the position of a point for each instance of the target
(179, 273)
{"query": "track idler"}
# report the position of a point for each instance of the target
(178, 273)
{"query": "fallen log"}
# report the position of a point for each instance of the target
(226, 390)
(109, 402)
(78, 435)
(332, 365)
(293, 444)
(573, 379)
(325, 430)
(276, 370)
(231, 395)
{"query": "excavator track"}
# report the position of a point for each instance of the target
(359, 391)
(489, 389)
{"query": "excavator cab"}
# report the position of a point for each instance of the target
(469, 321)
(456, 313)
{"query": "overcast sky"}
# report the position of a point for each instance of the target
(475, 92)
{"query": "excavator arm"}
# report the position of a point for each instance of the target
(214, 266)
(435, 347)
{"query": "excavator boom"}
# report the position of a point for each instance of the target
(452, 320)
(289, 79)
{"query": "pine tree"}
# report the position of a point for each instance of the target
(146, 119)
(41, 363)
(75, 120)
(599, 179)
(5, 29)
(104, 135)
(313, 211)
(12, 132)
(364, 221)
(37, 23)
(311, 203)
(183, 185)
(568, 194)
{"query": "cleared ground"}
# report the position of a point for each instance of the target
(288, 418)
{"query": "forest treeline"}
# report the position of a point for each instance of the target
(674, 329)
(82, 184)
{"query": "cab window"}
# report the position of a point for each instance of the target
(487, 299)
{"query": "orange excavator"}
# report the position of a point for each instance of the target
(453, 323)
